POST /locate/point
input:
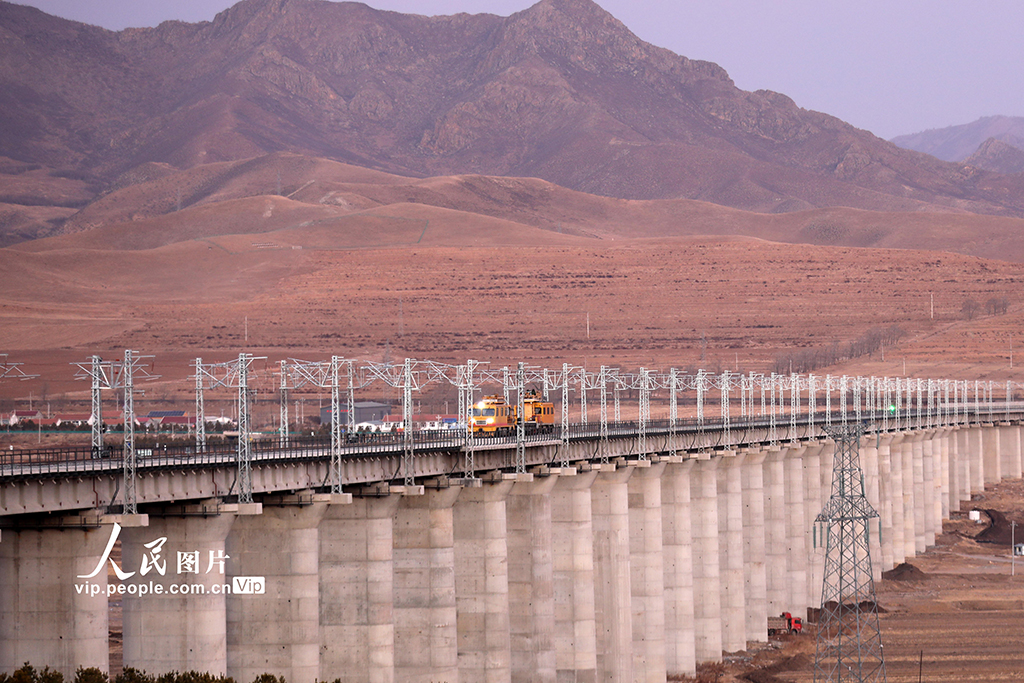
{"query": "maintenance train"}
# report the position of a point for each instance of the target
(492, 416)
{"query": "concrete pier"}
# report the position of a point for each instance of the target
(944, 483)
(707, 597)
(956, 470)
(909, 512)
(920, 501)
(755, 578)
(932, 488)
(869, 461)
(482, 583)
(647, 573)
(357, 620)
(426, 636)
(778, 590)
(964, 443)
(886, 485)
(896, 540)
(531, 581)
(572, 528)
(176, 631)
(796, 533)
(44, 619)
(990, 454)
(976, 441)
(1009, 441)
(277, 632)
(730, 545)
(677, 546)
(825, 457)
(613, 595)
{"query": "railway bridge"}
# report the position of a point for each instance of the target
(613, 550)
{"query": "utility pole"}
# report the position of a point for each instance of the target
(1013, 548)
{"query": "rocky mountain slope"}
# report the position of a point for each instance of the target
(957, 143)
(996, 155)
(561, 91)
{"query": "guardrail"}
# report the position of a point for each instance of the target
(21, 464)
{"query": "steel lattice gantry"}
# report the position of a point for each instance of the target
(849, 644)
(113, 375)
(102, 375)
(411, 376)
(235, 374)
(9, 370)
(326, 375)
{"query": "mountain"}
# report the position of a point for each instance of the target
(331, 203)
(996, 155)
(561, 91)
(957, 143)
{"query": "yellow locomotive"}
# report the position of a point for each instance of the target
(493, 416)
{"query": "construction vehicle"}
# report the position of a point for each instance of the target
(538, 413)
(785, 624)
(492, 416)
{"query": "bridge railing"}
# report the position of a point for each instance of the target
(70, 460)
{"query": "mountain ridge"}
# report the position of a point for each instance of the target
(561, 91)
(960, 142)
(998, 155)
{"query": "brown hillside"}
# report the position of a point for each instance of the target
(284, 190)
(434, 283)
(561, 91)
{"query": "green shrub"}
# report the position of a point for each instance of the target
(269, 678)
(28, 674)
(132, 675)
(90, 675)
(192, 677)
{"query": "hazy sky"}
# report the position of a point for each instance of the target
(889, 66)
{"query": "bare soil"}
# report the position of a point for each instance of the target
(954, 613)
(447, 286)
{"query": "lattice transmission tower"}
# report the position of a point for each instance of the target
(849, 644)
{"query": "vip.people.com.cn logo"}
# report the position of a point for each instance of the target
(188, 563)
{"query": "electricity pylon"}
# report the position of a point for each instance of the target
(849, 644)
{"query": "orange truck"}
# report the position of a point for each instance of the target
(785, 624)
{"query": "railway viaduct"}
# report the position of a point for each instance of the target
(619, 556)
